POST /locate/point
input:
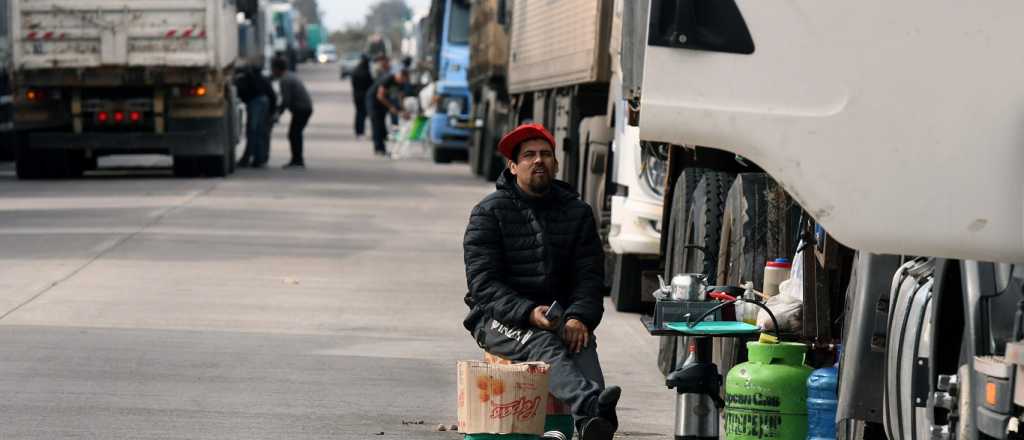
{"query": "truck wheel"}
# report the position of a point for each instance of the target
(440, 155)
(28, 164)
(186, 166)
(696, 220)
(478, 146)
(215, 166)
(627, 281)
(682, 197)
(759, 224)
(495, 128)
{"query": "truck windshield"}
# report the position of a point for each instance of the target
(458, 22)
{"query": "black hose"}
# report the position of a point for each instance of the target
(707, 313)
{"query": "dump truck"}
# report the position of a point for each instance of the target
(103, 77)
(882, 142)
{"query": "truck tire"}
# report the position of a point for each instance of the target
(28, 165)
(494, 128)
(627, 281)
(694, 223)
(220, 165)
(478, 148)
(439, 155)
(46, 164)
(215, 166)
(625, 289)
(759, 224)
(186, 166)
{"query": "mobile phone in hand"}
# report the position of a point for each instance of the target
(554, 313)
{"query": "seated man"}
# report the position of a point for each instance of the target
(528, 245)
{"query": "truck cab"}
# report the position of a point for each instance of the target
(285, 43)
(448, 135)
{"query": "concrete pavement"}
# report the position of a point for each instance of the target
(324, 303)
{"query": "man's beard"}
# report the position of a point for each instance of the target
(540, 183)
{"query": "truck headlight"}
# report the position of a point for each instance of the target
(654, 166)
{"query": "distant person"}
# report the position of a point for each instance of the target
(383, 98)
(381, 67)
(294, 98)
(260, 105)
(361, 82)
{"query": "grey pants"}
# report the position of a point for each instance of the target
(574, 378)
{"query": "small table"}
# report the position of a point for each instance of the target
(697, 382)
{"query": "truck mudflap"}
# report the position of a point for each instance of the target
(860, 389)
(196, 143)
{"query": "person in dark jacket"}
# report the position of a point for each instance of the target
(294, 98)
(530, 244)
(361, 82)
(384, 97)
(260, 104)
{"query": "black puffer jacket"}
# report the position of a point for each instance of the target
(522, 252)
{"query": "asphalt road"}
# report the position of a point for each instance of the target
(274, 304)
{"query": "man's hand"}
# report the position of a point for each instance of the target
(576, 335)
(538, 320)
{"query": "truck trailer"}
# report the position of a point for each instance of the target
(104, 77)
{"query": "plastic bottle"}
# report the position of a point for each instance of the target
(775, 272)
(748, 312)
(822, 400)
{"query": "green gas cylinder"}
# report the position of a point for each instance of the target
(766, 397)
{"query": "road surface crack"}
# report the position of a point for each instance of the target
(157, 218)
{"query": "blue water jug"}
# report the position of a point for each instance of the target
(822, 400)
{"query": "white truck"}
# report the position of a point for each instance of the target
(101, 77)
(895, 127)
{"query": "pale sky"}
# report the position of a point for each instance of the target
(337, 13)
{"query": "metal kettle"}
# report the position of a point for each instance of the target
(689, 287)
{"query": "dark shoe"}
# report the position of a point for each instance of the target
(595, 428)
(244, 163)
(294, 165)
(259, 165)
(606, 403)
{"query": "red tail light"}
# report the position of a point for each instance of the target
(135, 116)
(34, 95)
(118, 116)
(103, 117)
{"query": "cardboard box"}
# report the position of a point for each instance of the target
(502, 399)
